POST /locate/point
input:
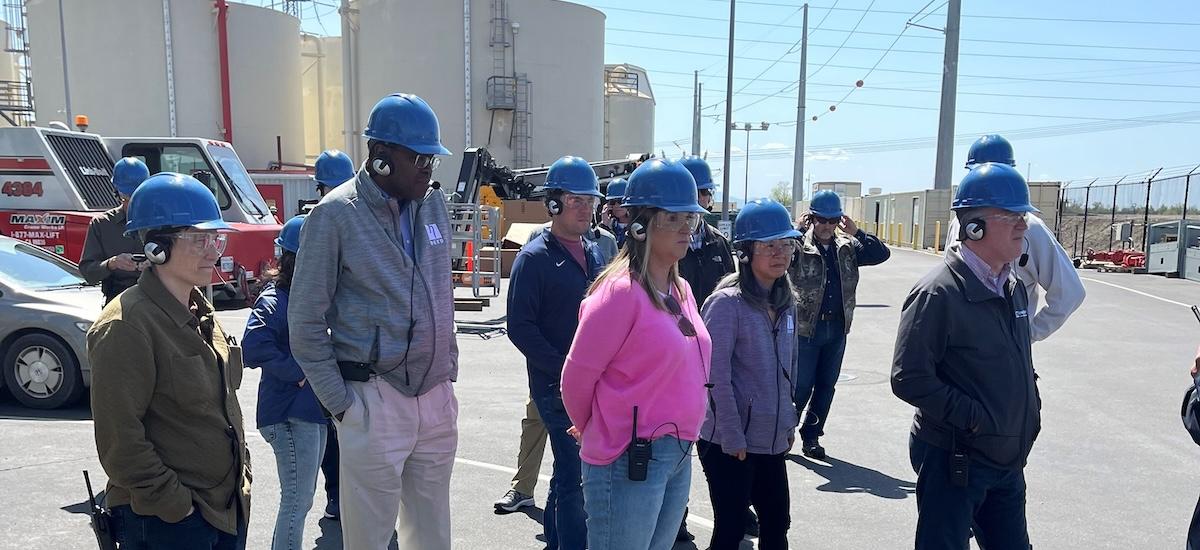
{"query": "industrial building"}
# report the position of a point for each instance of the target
(524, 78)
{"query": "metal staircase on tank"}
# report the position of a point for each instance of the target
(16, 96)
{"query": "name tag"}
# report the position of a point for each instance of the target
(434, 234)
(1021, 314)
(791, 325)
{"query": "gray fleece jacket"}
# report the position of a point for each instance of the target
(752, 373)
(357, 296)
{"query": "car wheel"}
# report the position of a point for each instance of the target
(40, 372)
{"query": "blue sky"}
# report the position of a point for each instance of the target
(1067, 92)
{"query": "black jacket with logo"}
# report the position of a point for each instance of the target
(963, 358)
(704, 267)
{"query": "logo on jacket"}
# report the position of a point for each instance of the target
(560, 263)
(434, 234)
(1021, 314)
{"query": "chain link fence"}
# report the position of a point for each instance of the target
(1115, 213)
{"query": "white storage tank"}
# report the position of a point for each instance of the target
(321, 78)
(558, 46)
(119, 77)
(628, 111)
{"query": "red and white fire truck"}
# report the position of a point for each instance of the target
(53, 182)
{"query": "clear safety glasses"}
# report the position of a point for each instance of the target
(778, 247)
(677, 221)
(202, 243)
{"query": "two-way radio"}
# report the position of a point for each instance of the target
(640, 453)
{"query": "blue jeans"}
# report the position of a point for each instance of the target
(299, 447)
(992, 505)
(134, 532)
(818, 365)
(564, 519)
(638, 515)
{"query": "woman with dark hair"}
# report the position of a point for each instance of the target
(289, 416)
(634, 379)
(748, 430)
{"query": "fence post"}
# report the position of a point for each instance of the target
(1187, 186)
(1087, 197)
(1146, 212)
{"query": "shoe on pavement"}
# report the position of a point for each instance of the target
(813, 449)
(513, 501)
(333, 511)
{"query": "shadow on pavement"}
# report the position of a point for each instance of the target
(10, 409)
(845, 477)
(331, 536)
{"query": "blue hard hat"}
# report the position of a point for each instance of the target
(664, 184)
(763, 220)
(996, 185)
(573, 175)
(334, 168)
(700, 171)
(167, 200)
(289, 236)
(990, 148)
(128, 173)
(616, 189)
(406, 120)
(826, 203)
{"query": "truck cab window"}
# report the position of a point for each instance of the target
(182, 159)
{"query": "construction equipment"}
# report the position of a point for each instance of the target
(476, 208)
(54, 182)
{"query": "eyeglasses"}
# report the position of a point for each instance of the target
(777, 247)
(1012, 218)
(573, 201)
(705, 192)
(427, 161)
(614, 202)
(202, 243)
(677, 221)
(821, 219)
(685, 325)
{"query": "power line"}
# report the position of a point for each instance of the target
(983, 16)
(1014, 78)
(931, 52)
(789, 51)
(922, 37)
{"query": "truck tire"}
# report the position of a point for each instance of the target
(41, 373)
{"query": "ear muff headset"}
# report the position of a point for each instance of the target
(974, 229)
(380, 163)
(554, 204)
(158, 250)
(637, 231)
(743, 252)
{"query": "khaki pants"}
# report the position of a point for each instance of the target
(397, 453)
(533, 445)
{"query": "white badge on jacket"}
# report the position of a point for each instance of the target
(434, 234)
(791, 325)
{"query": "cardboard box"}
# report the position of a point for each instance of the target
(522, 211)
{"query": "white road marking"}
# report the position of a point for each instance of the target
(1146, 294)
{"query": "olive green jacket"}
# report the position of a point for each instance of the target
(168, 424)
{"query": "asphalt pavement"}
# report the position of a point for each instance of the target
(1112, 468)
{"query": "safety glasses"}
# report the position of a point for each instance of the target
(427, 161)
(778, 247)
(573, 201)
(1011, 218)
(202, 243)
(677, 221)
(685, 325)
(824, 220)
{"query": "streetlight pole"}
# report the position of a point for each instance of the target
(728, 117)
(747, 127)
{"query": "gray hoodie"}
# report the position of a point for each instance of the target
(753, 369)
(357, 296)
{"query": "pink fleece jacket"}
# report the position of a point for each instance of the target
(626, 352)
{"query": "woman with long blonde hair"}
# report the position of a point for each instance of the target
(634, 383)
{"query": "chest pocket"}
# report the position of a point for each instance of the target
(191, 382)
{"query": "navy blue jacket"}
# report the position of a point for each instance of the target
(265, 345)
(544, 293)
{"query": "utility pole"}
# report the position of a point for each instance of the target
(725, 226)
(747, 127)
(798, 163)
(945, 141)
(62, 35)
(696, 113)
